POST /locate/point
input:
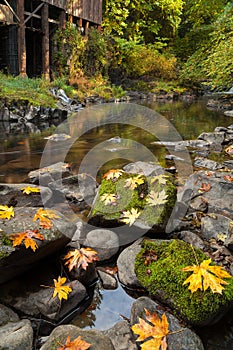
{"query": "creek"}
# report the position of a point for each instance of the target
(21, 153)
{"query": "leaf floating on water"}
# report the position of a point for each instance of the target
(28, 190)
(155, 328)
(6, 212)
(205, 276)
(76, 344)
(109, 198)
(27, 238)
(60, 290)
(80, 258)
(113, 174)
(157, 198)
(134, 182)
(130, 216)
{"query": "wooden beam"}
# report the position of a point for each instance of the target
(86, 28)
(31, 15)
(62, 19)
(11, 9)
(45, 41)
(21, 40)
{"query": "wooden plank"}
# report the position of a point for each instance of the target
(58, 3)
(45, 41)
(21, 39)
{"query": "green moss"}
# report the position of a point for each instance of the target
(128, 198)
(166, 275)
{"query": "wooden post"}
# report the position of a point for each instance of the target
(22, 56)
(62, 19)
(45, 40)
(86, 28)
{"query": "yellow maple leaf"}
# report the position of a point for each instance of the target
(156, 198)
(108, 198)
(130, 216)
(60, 290)
(155, 328)
(6, 212)
(204, 276)
(80, 258)
(27, 238)
(29, 189)
(76, 344)
(134, 182)
(113, 174)
(161, 179)
(44, 216)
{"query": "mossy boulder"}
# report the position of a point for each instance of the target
(152, 196)
(163, 277)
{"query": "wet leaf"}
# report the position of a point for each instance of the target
(109, 198)
(60, 290)
(80, 258)
(155, 328)
(76, 344)
(228, 178)
(205, 276)
(157, 198)
(113, 174)
(26, 238)
(44, 216)
(130, 216)
(28, 190)
(134, 182)
(204, 187)
(6, 212)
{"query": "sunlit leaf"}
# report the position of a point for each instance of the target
(161, 179)
(28, 190)
(204, 187)
(113, 174)
(6, 212)
(134, 182)
(80, 258)
(60, 290)
(204, 276)
(228, 178)
(156, 198)
(229, 150)
(130, 216)
(26, 238)
(108, 198)
(76, 344)
(155, 328)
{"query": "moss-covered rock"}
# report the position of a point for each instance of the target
(163, 278)
(152, 196)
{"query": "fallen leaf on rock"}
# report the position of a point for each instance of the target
(228, 178)
(229, 150)
(28, 190)
(6, 212)
(60, 290)
(44, 216)
(108, 198)
(113, 174)
(76, 344)
(155, 328)
(156, 198)
(26, 238)
(80, 258)
(204, 187)
(134, 182)
(149, 257)
(161, 179)
(204, 276)
(130, 216)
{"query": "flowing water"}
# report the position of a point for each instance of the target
(21, 153)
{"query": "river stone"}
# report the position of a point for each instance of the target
(184, 339)
(125, 264)
(121, 336)
(201, 162)
(192, 238)
(7, 315)
(219, 197)
(50, 173)
(19, 259)
(107, 281)
(218, 227)
(12, 195)
(86, 276)
(144, 168)
(105, 242)
(59, 335)
(41, 303)
(16, 336)
(216, 138)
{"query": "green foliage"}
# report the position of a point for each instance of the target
(166, 275)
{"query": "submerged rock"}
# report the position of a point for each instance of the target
(16, 335)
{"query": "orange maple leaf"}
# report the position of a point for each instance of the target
(80, 258)
(113, 174)
(44, 216)
(204, 187)
(204, 276)
(155, 328)
(27, 238)
(76, 344)
(228, 178)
